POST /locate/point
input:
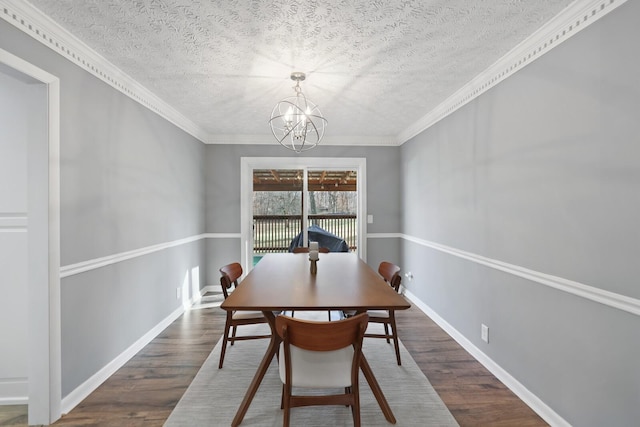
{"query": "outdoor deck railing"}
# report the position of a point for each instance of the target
(274, 233)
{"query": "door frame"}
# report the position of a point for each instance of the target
(248, 164)
(44, 341)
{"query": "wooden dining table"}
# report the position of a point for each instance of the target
(284, 282)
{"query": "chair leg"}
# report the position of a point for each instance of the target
(224, 340)
(355, 408)
(287, 404)
(282, 398)
(386, 330)
(392, 319)
(233, 334)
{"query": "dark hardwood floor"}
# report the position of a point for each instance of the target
(146, 389)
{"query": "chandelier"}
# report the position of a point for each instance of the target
(296, 122)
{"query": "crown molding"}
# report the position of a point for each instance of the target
(350, 140)
(33, 22)
(573, 19)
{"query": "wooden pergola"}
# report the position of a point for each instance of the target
(291, 180)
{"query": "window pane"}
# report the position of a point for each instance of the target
(333, 204)
(277, 202)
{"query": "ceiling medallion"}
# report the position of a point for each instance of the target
(296, 122)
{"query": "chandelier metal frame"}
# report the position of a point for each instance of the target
(296, 122)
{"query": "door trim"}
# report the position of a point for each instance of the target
(248, 164)
(44, 342)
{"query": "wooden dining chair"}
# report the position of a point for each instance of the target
(230, 274)
(320, 355)
(391, 274)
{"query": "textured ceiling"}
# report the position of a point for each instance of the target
(374, 67)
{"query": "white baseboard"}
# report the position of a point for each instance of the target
(533, 401)
(5, 401)
(209, 288)
(71, 400)
(13, 391)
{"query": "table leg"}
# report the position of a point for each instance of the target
(377, 391)
(262, 370)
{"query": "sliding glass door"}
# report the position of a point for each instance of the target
(332, 214)
(293, 206)
(288, 202)
(278, 196)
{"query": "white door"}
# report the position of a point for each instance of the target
(14, 133)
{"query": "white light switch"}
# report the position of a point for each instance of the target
(369, 219)
(484, 333)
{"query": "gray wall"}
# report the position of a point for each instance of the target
(129, 179)
(541, 172)
(223, 197)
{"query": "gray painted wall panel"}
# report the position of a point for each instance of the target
(220, 252)
(577, 355)
(385, 249)
(542, 171)
(104, 311)
(129, 179)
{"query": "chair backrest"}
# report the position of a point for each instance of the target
(302, 249)
(322, 336)
(230, 274)
(391, 274)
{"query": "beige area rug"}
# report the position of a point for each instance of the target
(213, 397)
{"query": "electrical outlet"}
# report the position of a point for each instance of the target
(409, 276)
(484, 333)
(178, 293)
